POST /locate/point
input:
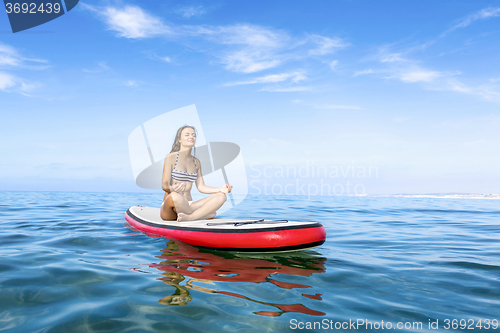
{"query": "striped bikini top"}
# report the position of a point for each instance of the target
(184, 176)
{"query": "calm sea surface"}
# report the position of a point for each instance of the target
(69, 263)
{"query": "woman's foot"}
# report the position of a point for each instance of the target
(183, 217)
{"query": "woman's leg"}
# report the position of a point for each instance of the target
(174, 204)
(197, 204)
(204, 208)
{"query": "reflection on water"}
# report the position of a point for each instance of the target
(182, 263)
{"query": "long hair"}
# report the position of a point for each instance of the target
(176, 146)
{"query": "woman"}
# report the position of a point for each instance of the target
(180, 171)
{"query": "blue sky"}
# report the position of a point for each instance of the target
(409, 88)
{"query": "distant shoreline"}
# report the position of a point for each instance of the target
(439, 196)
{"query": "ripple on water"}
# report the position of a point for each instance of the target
(69, 265)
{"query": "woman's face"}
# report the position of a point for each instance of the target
(188, 137)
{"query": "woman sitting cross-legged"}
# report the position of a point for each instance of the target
(180, 171)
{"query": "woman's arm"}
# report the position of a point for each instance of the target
(167, 173)
(202, 188)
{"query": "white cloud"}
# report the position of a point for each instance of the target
(190, 11)
(101, 67)
(414, 74)
(395, 66)
(131, 21)
(251, 35)
(249, 61)
(25, 88)
(295, 77)
(6, 81)
(9, 56)
(333, 64)
(166, 59)
(11, 83)
(131, 83)
(364, 72)
(327, 45)
(152, 55)
(419, 75)
(456, 86)
(488, 91)
(399, 65)
(263, 48)
(251, 48)
(394, 57)
(483, 14)
(246, 48)
(13, 61)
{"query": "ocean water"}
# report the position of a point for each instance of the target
(70, 264)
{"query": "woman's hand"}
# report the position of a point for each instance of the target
(226, 188)
(178, 187)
